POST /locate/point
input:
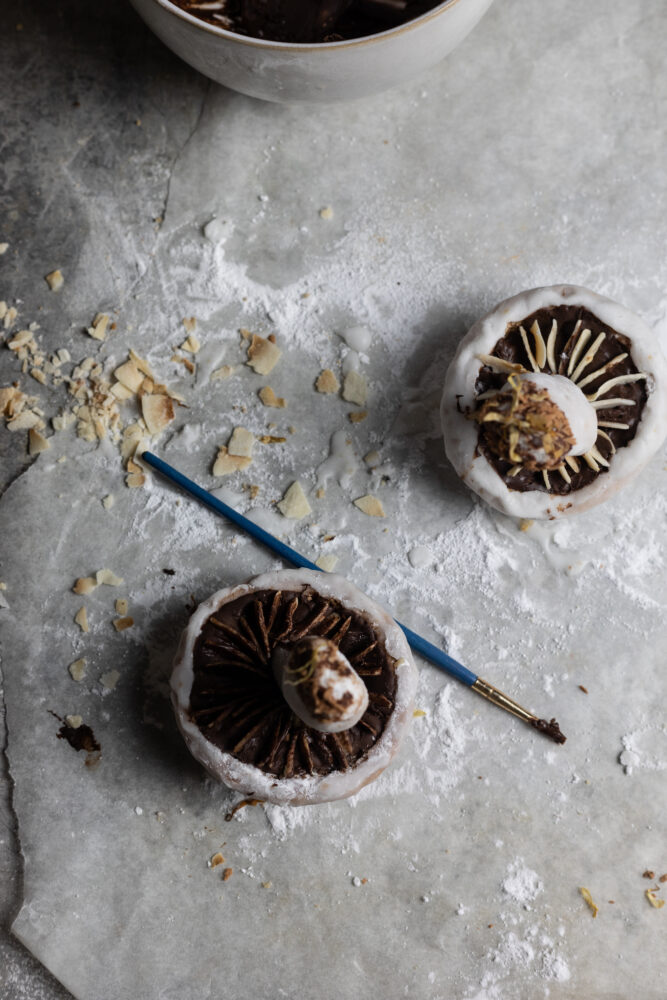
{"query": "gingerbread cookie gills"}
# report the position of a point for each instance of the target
(294, 687)
(563, 393)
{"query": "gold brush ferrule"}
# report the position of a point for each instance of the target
(502, 700)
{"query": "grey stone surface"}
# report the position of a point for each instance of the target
(534, 154)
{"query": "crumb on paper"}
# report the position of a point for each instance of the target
(418, 713)
(326, 563)
(81, 619)
(109, 578)
(223, 372)
(4, 247)
(227, 874)
(216, 860)
(370, 505)
(588, 899)
(37, 443)
(121, 606)
(55, 280)
(272, 439)
(73, 721)
(85, 585)
(656, 903)
(266, 885)
(108, 501)
(648, 874)
(326, 382)
(135, 475)
(372, 459)
(241, 443)
(355, 389)
(263, 355)
(320, 493)
(269, 398)
(294, 503)
(191, 344)
(525, 523)
(77, 669)
(120, 624)
(225, 463)
(130, 375)
(357, 416)
(582, 688)
(326, 212)
(663, 878)
(158, 412)
(98, 330)
(110, 679)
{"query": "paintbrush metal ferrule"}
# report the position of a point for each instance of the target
(492, 694)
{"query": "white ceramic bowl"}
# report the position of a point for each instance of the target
(330, 71)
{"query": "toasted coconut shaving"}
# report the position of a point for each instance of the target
(85, 585)
(158, 413)
(223, 372)
(77, 670)
(225, 463)
(263, 355)
(269, 398)
(355, 389)
(327, 382)
(294, 503)
(191, 344)
(81, 619)
(109, 578)
(36, 442)
(98, 331)
(241, 443)
(588, 899)
(656, 903)
(120, 624)
(327, 563)
(370, 505)
(55, 280)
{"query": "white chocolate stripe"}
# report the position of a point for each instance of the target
(610, 383)
(588, 357)
(564, 473)
(614, 425)
(578, 347)
(609, 404)
(540, 346)
(531, 357)
(498, 364)
(603, 434)
(572, 462)
(594, 453)
(590, 461)
(601, 371)
(545, 476)
(551, 345)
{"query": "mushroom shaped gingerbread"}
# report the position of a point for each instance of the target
(554, 400)
(293, 688)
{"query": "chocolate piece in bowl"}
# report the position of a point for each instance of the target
(554, 401)
(294, 688)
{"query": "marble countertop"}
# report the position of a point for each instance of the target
(534, 154)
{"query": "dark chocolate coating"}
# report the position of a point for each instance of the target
(237, 704)
(510, 347)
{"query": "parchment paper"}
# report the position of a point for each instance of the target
(474, 845)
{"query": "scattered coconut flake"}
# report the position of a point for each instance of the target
(588, 899)
(81, 619)
(110, 679)
(653, 899)
(77, 670)
(190, 324)
(108, 577)
(73, 721)
(24, 421)
(37, 443)
(4, 247)
(263, 355)
(158, 412)
(121, 606)
(216, 860)
(226, 463)
(38, 375)
(85, 585)
(327, 563)
(223, 372)
(294, 503)
(355, 389)
(326, 213)
(327, 382)
(108, 501)
(20, 339)
(241, 443)
(269, 398)
(357, 416)
(370, 505)
(63, 420)
(120, 624)
(191, 344)
(55, 280)
(372, 459)
(129, 375)
(135, 475)
(98, 331)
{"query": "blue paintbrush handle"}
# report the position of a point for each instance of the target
(420, 645)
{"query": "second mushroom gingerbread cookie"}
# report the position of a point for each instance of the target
(294, 688)
(554, 400)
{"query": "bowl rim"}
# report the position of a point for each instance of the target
(268, 44)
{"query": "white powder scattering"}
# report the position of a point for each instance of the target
(645, 748)
(521, 884)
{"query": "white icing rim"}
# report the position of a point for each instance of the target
(314, 788)
(460, 434)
